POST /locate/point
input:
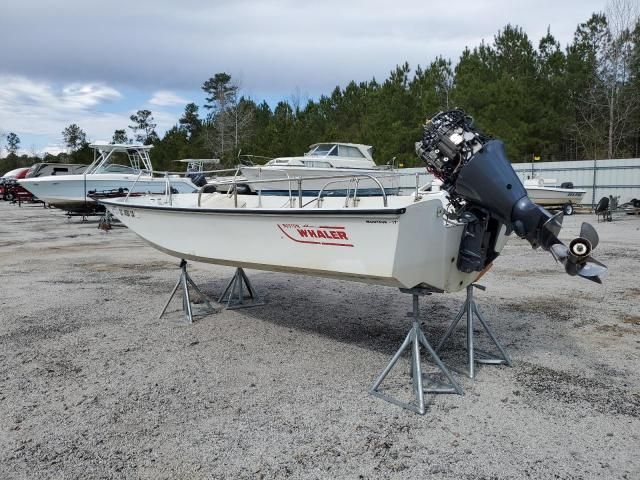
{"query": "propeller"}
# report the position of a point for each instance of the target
(576, 257)
(588, 232)
(554, 224)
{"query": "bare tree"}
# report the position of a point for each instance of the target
(606, 105)
(231, 119)
(33, 151)
(622, 17)
(298, 99)
(222, 96)
(242, 115)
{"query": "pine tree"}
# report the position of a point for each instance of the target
(74, 137)
(13, 143)
(190, 120)
(144, 127)
(120, 137)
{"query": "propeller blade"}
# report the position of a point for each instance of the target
(591, 269)
(559, 251)
(593, 260)
(587, 231)
(595, 279)
(554, 224)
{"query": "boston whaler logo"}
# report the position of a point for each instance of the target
(321, 235)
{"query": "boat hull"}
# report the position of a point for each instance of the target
(404, 245)
(71, 192)
(555, 196)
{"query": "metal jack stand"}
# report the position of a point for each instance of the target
(475, 355)
(185, 281)
(234, 295)
(414, 339)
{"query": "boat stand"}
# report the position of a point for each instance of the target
(234, 295)
(420, 385)
(184, 281)
(104, 223)
(475, 355)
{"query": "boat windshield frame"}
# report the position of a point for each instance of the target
(342, 150)
(320, 151)
(138, 156)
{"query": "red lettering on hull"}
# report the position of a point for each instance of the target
(323, 235)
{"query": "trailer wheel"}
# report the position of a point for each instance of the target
(567, 208)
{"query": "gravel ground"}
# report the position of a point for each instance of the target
(93, 385)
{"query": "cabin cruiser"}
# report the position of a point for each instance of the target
(544, 192)
(74, 193)
(46, 169)
(322, 160)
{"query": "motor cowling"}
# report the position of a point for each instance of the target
(198, 179)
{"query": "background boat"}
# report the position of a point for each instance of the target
(73, 192)
(543, 192)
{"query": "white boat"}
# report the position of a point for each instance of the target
(46, 169)
(74, 192)
(544, 192)
(405, 243)
(431, 241)
(322, 159)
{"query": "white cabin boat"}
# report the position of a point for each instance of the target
(322, 159)
(73, 192)
(544, 192)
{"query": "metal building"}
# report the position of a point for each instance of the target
(600, 178)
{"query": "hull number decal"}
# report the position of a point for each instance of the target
(320, 235)
(127, 213)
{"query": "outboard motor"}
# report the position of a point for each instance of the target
(198, 179)
(486, 193)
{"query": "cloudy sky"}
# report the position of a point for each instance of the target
(94, 63)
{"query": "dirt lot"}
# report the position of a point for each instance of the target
(93, 385)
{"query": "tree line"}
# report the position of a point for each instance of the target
(544, 101)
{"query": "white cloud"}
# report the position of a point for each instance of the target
(54, 149)
(38, 109)
(21, 95)
(166, 98)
